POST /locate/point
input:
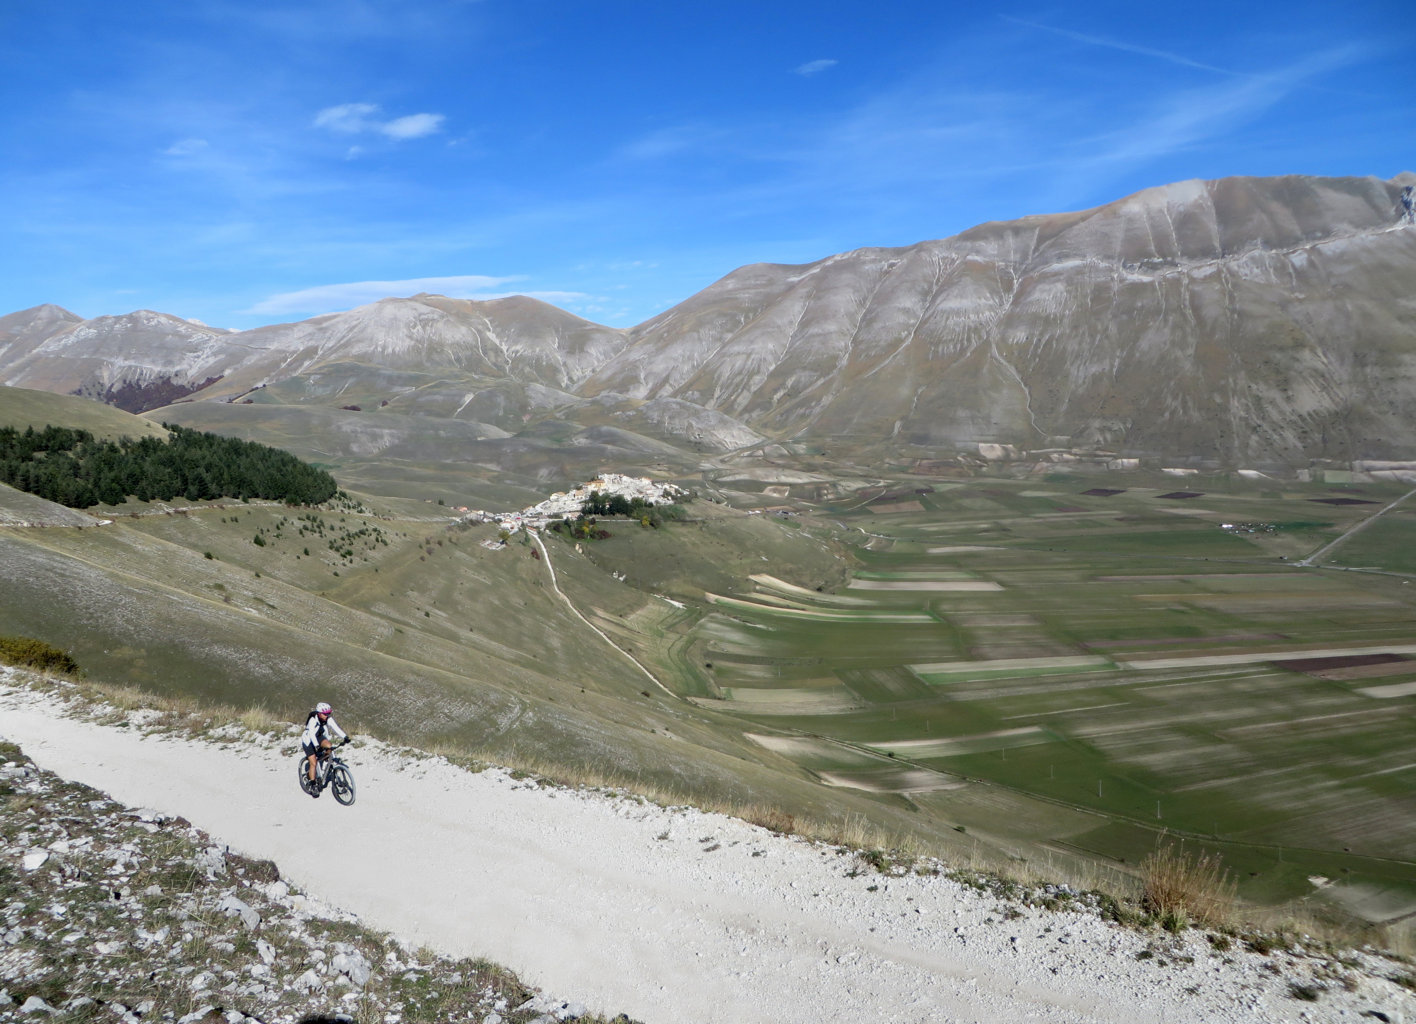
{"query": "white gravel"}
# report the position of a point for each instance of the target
(674, 915)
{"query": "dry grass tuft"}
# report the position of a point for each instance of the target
(261, 719)
(1179, 887)
(774, 819)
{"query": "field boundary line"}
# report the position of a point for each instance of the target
(1311, 560)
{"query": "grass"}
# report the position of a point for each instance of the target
(1388, 544)
(1179, 886)
(1285, 769)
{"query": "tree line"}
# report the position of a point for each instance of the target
(69, 466)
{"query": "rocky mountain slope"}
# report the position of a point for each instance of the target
(129, 360)
(1244, 321)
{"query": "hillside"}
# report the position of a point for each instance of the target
(1057, 656)
(26, 407)
(1020, 668)
(670, 913)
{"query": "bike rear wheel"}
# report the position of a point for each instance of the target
(341, 780)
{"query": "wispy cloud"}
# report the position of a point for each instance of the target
(815, 67)
(331, 297)
(1192, 116)
(366, 118)
(668, 142)
(1121, 45)
(186, 147)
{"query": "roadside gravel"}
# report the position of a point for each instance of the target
(676, 915)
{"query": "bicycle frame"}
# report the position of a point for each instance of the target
(327, 764)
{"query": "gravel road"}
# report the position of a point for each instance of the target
(675, 915)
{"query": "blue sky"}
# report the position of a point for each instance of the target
(244, 162)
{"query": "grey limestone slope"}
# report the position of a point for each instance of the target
(22, 331)
(515, 338)
(136, 360)
(1240, 320)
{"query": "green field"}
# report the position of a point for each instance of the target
(1155, 662)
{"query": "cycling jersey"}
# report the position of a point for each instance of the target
(317, 731)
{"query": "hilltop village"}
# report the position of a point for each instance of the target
(568, 504)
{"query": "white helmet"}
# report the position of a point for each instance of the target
(323, 709)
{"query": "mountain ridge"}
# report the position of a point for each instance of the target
(1254, 321)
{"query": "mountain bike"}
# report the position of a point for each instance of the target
(330, 773)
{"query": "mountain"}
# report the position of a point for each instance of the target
(1244, 321)
(1241, 320)
(138, 361)
(21, 332)
(126, 360)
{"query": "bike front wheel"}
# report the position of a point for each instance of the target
(341, 780)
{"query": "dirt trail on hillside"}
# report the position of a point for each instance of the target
(672, 916)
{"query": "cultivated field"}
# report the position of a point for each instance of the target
(1107, 666)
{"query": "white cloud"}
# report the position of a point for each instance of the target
(362, 118)
(350, 118)
(815, 67)
(331, 297)
(186, 147)
(414, 126)
(665, 142)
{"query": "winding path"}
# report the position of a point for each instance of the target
(546, 557)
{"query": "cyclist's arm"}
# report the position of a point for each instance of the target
(333, 727)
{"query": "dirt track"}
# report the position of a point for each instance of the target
(669, 915)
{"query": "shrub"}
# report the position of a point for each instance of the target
(1178, 887)
(24, 650)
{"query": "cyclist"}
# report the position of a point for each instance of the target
(315, 740)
